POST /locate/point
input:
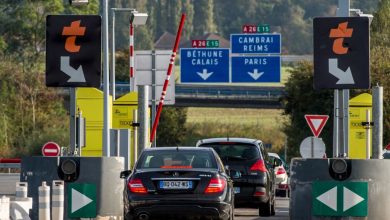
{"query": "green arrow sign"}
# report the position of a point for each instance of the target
(339, 198)
(81, 200)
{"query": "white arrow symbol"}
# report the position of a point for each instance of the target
(255, 75)
(79, 200)
(351, 199)
(329, 198)
(344, 77)
(204, 74)
(75, 75)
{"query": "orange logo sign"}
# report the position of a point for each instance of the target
(340, 33)
(72, 31)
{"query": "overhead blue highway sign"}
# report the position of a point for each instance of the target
(256, 69)
(198, 65)
(255, 43)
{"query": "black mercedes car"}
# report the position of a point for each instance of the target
(251, 170)
(178, 182)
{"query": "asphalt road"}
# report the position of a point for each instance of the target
(282, 206)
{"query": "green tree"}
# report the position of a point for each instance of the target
(203, 17)
(301, 99)
(171, 128)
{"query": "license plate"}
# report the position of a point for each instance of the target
(175, 184)
(236, 190)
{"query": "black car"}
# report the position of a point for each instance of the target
(178, 182)
(251, 170)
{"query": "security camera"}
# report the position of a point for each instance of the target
(78, 2)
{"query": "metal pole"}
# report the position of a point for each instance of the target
(336, 124)
(368, 139)
(143, 103)
(131, 57)
(343, 11)
(377, 115)
(312, 147)
(79, 132)
(113, 55)
(154, 84)
(135, 136)
(169, 71)
(106, 86)
(72, 111)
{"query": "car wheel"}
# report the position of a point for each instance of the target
(265, 209)
(273, 208)
(129, 216)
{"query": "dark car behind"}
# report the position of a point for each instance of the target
(251, 171)
(178, 182)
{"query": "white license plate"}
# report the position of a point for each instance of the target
(236, 190)
(175, 184)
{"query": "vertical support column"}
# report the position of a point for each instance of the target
(135, 136)
(343, 126)
(336, 124)
(113, 56)
(143, 103)
(154, 84)
(377, 116)
(44, 201)
(368, 135)
(106, 86)
(72, 113)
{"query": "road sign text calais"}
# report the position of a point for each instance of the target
(204, 65)
(341, 53)
(73, 50)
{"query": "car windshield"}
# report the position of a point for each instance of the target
(234, 151)
(177, 159)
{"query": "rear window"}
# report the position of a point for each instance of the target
(237, 151)
(177, 159)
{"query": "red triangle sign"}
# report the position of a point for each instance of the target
(316, 123)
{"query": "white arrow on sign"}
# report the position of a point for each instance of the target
(255, 75)
(329, 198)
(79, 200)
(345, 77)
(350, 199)
(75, 75)
(205, 74)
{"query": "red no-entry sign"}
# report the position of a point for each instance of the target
(51, 149)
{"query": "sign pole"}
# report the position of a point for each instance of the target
(106, 86)
(164, 90)
(343, 96)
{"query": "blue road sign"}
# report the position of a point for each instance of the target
(255, 43)
(198, 65)
(256, 69)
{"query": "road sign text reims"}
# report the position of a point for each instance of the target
(255, 43)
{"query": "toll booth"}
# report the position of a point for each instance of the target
(90, 102)
(357, 133)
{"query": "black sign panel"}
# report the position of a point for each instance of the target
(341, 53)
(73, 51)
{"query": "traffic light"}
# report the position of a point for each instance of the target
(340, 169)
(69, 169)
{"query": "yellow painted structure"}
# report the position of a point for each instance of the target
(90, 102)
(357, 133)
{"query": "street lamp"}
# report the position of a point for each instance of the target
(135, 19)
(78, 2)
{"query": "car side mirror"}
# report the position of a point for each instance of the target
(125, 174)
(227, 170)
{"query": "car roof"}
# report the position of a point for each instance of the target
(228, 139)
(273, 155)
(180, 148)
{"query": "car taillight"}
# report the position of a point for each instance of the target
(216, 185)
(136, 186)
(259, 166)
(280, 171)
